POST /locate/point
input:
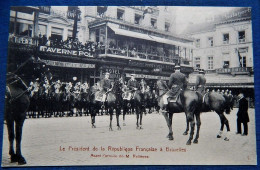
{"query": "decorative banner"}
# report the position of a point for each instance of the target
(67, 64)
(64, 51)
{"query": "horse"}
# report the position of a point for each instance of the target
(114, 102)
(219, 103)
(188, 101)
(16, 104)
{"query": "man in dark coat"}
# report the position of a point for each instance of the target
(242, 115)
(105, 85)
(177, 82)
(200, 82)
(132, 85)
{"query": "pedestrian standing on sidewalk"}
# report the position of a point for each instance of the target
(242, 115)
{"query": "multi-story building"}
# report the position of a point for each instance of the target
(224, 48)
(131, 39)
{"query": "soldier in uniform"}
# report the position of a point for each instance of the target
(177, 82)
(105, 85)
(200, 82)
(132, 85)
(143, 85)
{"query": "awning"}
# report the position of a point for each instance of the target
(128, 33)
(171, 42)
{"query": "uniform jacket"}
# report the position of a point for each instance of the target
(132, 84)
(200, 83)
(179, 79)
(105, 84)
(242, 114)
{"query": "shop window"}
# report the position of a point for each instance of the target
(241, 36)
(210, 41)
(120, 14)
(226, 38)
(137, 19)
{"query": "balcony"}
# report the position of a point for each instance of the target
(49, 11)
(235, 71)
(125, 53)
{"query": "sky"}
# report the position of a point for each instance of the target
(186, 15)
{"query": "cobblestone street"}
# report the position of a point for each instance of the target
(71, 141)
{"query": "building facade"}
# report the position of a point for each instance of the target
(118, 39)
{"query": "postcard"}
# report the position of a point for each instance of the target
(129, 85)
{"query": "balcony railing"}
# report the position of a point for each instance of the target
(22, 40)
(141, 55)
(48, 10)
(235, 70)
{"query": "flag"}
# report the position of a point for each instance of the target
(239, 59)
(146, 10)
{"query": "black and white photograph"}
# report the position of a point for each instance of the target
(129, 85)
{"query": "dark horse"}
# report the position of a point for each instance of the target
(16, 104)
(220, 104)
(114, 102)
(188, 101)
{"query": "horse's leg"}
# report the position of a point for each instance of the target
(187, 126)
(190, 118)
(10, 129)
(221, 116)
(224, 121)
(18, 137)
(124, 111)
(137, 118)
(168, 119)
(111, 118)
(141, 116)
(117, 118)
(198, 127)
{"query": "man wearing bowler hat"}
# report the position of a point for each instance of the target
(242, 115)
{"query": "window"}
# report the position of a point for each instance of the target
(197, 62)
(210, 62)
(69, 33)
(101, 11)
(226, 64)
(56, 34)
(137, 19)
(197, 43)
(42, 29)
(97, 35)
(167, 26)
(210, 41)
(242, 61)
(21, 29)
(120, 14)
(241, 36)
(225, 38)
(153, 23)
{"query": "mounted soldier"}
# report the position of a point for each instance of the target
(200, 82)
(133, 86)
(106, 86)
(177, 83)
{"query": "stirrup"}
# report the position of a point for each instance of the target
(102, 106)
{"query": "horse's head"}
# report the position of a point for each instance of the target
(117, 86)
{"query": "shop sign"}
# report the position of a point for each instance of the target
(151, 65)
(67, 64)
(55, 50)
(147, 76)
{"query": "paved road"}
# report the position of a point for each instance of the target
(44, 140)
